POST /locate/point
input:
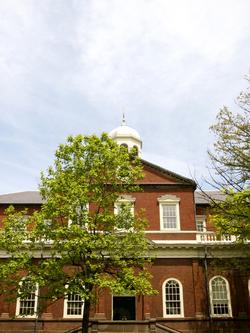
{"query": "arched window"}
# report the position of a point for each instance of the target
(172, 298)
(135, 150)
(220, 297)
(26, 304)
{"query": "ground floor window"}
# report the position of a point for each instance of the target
(172, 298)
(27, 302)
(73, 305)
(220, 297)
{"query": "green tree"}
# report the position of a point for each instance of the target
(230, 160)
(76, 244)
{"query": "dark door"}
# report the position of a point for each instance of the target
(123, 307)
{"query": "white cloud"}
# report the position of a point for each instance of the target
(74, 66)
(155, 49)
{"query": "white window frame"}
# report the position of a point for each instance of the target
(19, 300)
(212, 300)
(65, 308)
(125, 199)
(170, 200)
(181, 314)
(87, 211)
(201, 219)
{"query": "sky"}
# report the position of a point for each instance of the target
(75, 66)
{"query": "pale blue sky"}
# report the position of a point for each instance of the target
(73, 66)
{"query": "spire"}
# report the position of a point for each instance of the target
(123, 119)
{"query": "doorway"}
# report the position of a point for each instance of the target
(123, 307)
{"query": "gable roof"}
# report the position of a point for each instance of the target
(167, 174)
(27, 197)
(34, 197)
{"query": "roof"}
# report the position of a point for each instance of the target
(27, 197)
(124, 131)
(34, 197)
(205, 197)
(180, 179)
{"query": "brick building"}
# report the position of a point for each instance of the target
(195, 294)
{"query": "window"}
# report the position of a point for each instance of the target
(27, 305)
(172, 298)
(73, 305)
(169, 212)
(119, 205)
(80, 217)
(125, 201)
(220, 297)
(201, 223)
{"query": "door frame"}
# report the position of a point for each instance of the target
(112, 303)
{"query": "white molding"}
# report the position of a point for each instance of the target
(177, 212)
(165, 315)
(112, 303)
(170, 231)
(168, 198)
(65, 308)
(228, 296)
(18, 301)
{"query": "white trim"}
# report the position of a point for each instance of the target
(125, 199)
(65, 309)
(201, 218)
(170, 231)
(229, 314)
(165, 315)
(18, 302)
(164, 242)
(87, 211)
(112, 303)
(170, 200)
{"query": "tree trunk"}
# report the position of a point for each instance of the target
(85, 317)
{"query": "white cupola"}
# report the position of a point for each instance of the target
(127, 136)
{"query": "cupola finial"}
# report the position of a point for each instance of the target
(123, 119)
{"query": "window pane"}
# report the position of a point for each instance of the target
(27, 304)
(220, 299)
(169, 216)
(74, 305)
(200, 225)
(172, 296)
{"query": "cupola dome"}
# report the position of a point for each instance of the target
(126, 136)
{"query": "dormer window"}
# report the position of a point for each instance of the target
(169, 212)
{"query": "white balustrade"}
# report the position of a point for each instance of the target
(211, 237)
